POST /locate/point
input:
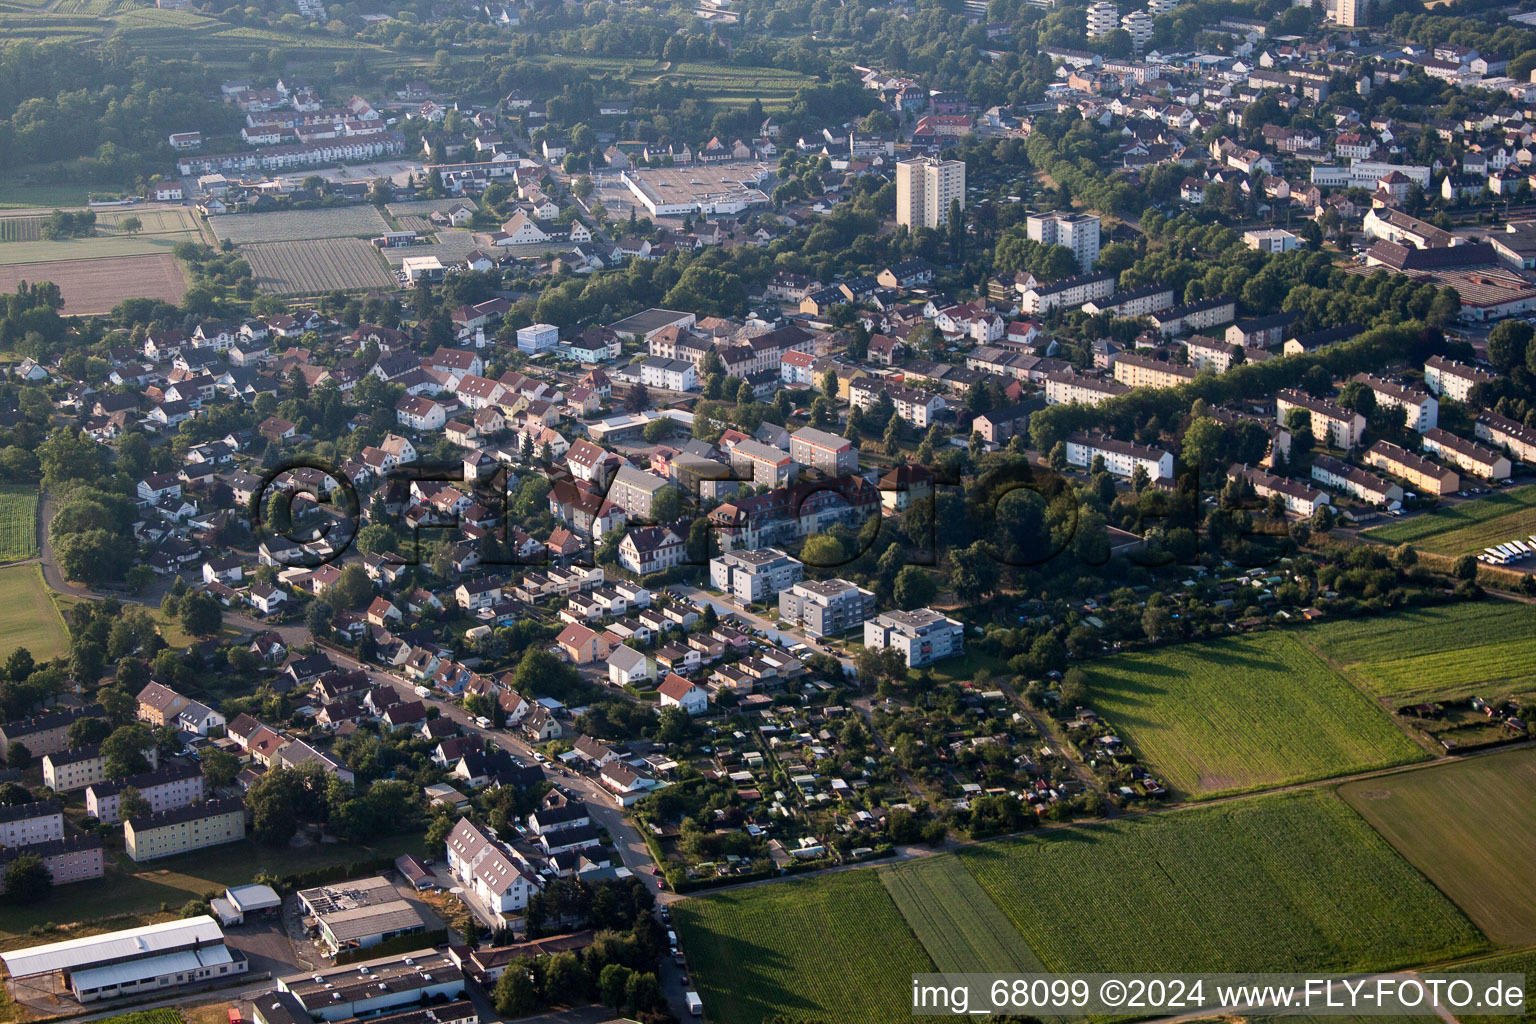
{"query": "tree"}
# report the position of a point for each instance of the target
(18, 756)
(123, 752)
(823, 551)
(1465, 567)
(131, 803)
(515, 995)
(318, 617)
(915, 587)
(1507, 344)
(87, 732)
(115, 701)
(566, 980)
(1058, 457)
(201, 614)
(829, 385)
(219, 767)
(637, 399)
(667, 505)
(1356, 396)
(1155, 622)
(131, 225)
(613, 986)
(644, 993)
(19, 665)
(27, 879)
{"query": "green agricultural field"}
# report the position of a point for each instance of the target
(1466, 527)
(18, 522)
(1287, 882)
(1470, 826)
(298, 225)
(833, 948)
(161, 229)
(1513, 963)
(955, 919)
(1443, 651)
(28, 616)
(1241, 714)
(15, 195)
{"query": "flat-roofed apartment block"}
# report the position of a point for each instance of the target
(1330, 423)
(1451, 379)
(1120, 457)
(174, 954)
(1420, 410)
(1062, 387)
(916, 406)
(67, 770)
(184, 829)
(407, 980)
(1354, 481)
(824, 451)
(752, 576)
(925, 188)
(825, 608)
(1137, 371)
(1512, 436)
(75, 858)
(762, 463)
(361, 913)
(1076, 231)
(923, 636)
(1421, 474)
(37, 822)
(166, 789)
(1299, 499)
(45, 733)
(1469, 456)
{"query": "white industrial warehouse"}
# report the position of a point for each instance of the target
(176, 953)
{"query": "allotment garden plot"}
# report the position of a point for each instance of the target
(1241, 714)
(1287, 882)
(1471, 827)
(318, 265)
(297, 225)
(832, 948)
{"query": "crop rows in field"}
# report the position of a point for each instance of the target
(21, 229)
(299, 225)
(161, 1016)
(18, 522)
(1470, 826)
(1511, 963)
(1467, 526)
(955, 919)
(1242, 714)
(1435, 651)
(317, 265)
(832, 948)
(1288, 882)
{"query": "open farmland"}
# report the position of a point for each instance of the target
(162, 228)
(1467, 527)
(955, 919)
(318, 265)
(832, 948)
(1443, 651)
(1288, 882)
(1470, 826)
(18, 521)
(28, 616)
(1513, 963)
(95, 286)
(298, 225)
(1242, 714)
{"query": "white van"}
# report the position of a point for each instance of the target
(695, 1004)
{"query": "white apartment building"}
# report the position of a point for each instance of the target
(1139, 25)
(1330, 424)
(1077, 231)
(925, 188)
(1300, 500)
(923, 636)
(28, 824)
(1120, 457)
(1420, 409)
(1451, 379)
(1063, 387)
(537, 338)
(752, 576)
(671, 374)
(1103, 18)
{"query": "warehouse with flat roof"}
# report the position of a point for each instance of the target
(174, 954)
